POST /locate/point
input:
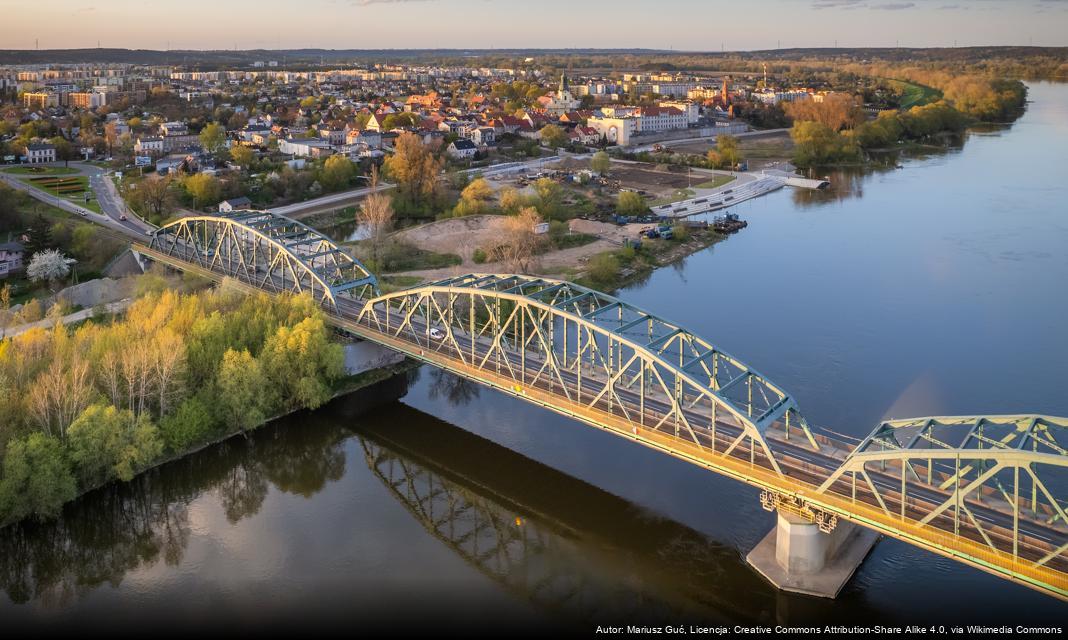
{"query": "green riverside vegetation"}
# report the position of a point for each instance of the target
(80, 407)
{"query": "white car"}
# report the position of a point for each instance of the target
(437, 334)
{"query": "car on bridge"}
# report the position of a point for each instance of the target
(437, 334)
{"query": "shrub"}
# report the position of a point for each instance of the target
(478, 256)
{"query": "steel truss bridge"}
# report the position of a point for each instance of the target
(983, 490)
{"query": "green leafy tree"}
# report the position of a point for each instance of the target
(37, 477)
(205, 190)
(242, 388)
(727, 146)
(553, 136)
(242, 156)
(338, 172)
(213, 137)
(39, 235)
(630, 203)
(108, 443)
(549, 198)
(192, 423)
(301, 362)
(475, 199)
(600, 163)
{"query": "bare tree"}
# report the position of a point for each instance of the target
(375, 213)
(520, 240)
(60, 394)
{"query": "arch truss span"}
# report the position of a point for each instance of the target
(992, 479)
(270, 252)
(593, 353)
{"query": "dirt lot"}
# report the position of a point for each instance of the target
(760, 150)
(646, 177)
(463, 235)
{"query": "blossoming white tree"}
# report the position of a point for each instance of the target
(48, 266)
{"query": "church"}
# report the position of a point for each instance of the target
(561, 102)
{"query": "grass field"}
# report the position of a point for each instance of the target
(916, 95)
(715, 182)
(72, 188)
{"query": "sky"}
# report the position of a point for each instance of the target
(693, 25)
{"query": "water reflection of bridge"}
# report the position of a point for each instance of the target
(983, 490)
(566, 546)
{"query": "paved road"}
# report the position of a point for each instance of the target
(111, 204)
(805, 465)
(328, 202)
(77, 316)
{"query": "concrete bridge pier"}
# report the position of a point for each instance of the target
(797, 556)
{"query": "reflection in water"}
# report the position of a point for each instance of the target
(572, 549)
(848, 182)
(453, 389)
(123, 526)
(576, 552)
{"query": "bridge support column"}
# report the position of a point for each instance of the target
(798, 557)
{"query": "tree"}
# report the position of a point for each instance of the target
(204, 189)
(817, 143)
(520, 242)
(836, 111)
(48, 266)
(59, 394)
(40, 235)
(630, 203)
(111, 135)
(553, 136)
(376, 214)
(603, 269)
(213, 137)
(475, 198)
(108, 443)
(301, 362)
(338, 172)
(601, 162)
(154, 197)
(64, 149)
(5, 309)
(414, 169)
(192, 423)
(511, 201)
(37, 478)
(549, 197)
(241, 390)
(242, 156)
(727, 146)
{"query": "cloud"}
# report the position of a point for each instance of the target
(838, 4)
(894, 6)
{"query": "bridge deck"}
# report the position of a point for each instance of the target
(1011, 543)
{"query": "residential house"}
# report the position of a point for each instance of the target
(483, 136)
(40, 152)
(462, 149)
(149, 147)
(10, 258)
(234, 204)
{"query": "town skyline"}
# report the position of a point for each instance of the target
(460, 24)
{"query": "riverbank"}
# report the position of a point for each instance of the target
(343, 387)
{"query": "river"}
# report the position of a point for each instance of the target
(935, 288)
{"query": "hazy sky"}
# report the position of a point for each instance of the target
(679, 24)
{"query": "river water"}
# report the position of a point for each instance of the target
(937, 287)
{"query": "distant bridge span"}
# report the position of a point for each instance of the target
(982, 490)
